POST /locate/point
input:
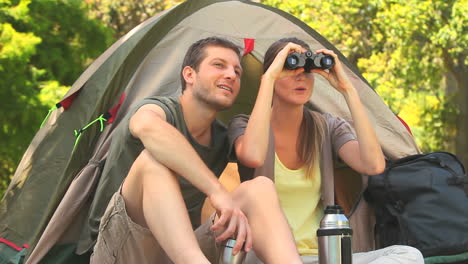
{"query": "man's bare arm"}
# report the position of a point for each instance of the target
(169, 147)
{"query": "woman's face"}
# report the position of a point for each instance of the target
(295, 90)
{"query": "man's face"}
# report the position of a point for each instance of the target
(217, 82)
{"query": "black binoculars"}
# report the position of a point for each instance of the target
(309, 61)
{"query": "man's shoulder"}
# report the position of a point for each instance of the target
(168, 101)
(170, 106)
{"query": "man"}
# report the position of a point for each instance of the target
(184, 150)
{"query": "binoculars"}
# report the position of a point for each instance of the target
(309, 61)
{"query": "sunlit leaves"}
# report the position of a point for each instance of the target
(123, 15)
(16, 45)
(408, 50)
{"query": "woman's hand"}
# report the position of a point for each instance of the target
(336, 76)
(276, 70)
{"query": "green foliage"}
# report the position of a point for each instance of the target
(410, 51)
(42, 52)
(124, 15)
(70, 41)
(17, 90)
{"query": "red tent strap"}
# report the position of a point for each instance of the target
(404, 123)
(66, 103)
(113, 112)
(13, 245)
(249, 45)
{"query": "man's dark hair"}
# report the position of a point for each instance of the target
(196, 53)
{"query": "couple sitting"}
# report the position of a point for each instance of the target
(179, 150)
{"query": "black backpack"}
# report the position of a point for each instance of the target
(422, 201)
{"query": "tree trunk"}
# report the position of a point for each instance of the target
(462, 120)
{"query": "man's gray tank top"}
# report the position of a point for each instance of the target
(125, 149)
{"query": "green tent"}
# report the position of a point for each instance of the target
(49, 197)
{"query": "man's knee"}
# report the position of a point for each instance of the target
(256, 190)
(145, 171)
(146, 166)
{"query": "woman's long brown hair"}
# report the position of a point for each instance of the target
(312, 131)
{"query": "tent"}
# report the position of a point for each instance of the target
(49, 197)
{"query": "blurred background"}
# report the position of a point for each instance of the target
(412, 52)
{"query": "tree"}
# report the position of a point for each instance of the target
(42, 52)
(16, 49)
(124, 15)
(412, 52)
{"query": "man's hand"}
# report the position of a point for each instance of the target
(231, 221)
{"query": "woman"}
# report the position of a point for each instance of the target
(284, 139)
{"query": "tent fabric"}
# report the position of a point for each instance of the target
(49, 164)
(54, 184)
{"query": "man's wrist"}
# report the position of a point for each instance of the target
(216, 189)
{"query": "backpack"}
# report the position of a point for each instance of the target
(422, 201)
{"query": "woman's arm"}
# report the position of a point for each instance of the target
(364, 155)
(251, 147)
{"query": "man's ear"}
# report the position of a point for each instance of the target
(189, 75)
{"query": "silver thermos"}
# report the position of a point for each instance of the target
(334, 237)
(226, 256)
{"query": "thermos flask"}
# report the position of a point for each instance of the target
(226, 256)
(334, 237)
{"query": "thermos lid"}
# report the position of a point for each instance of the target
(334, 217)
(334, 209)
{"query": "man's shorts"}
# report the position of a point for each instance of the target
(121, 240)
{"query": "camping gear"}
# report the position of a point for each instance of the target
(422, 201)
(226, 257)
(334, 237)
(47, 204)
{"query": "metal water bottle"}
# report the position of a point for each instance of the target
(226, 256)
(334, 237)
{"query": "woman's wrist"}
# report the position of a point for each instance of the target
(349, 92)
(267, 77)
